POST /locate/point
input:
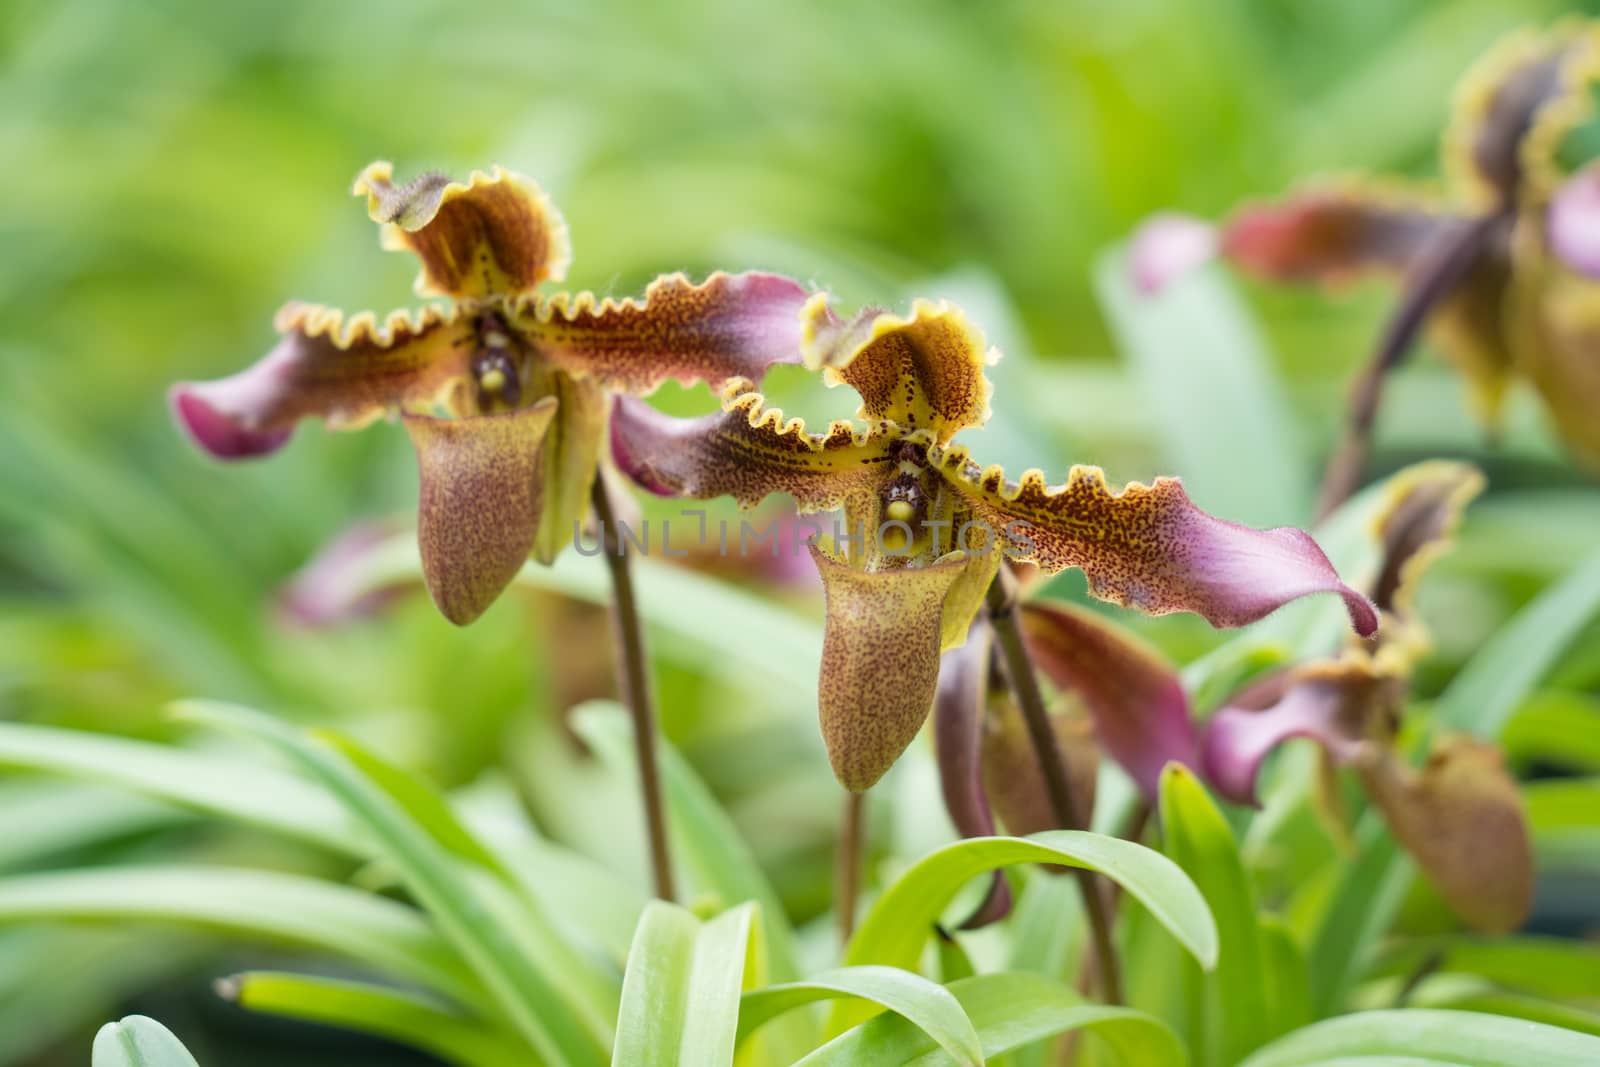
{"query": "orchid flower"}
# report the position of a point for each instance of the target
(926, 526)
(502, 388)
(1500, 267)
(1459, 809)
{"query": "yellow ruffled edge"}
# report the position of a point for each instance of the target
(816, 317)
(321, 320)
(381, 172)
(1474, 96)
(955, 461)
(1465, 482)
(544, 309)
(1541, 147)
(742, 395)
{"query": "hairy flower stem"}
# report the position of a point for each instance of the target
(1018, 670)
(633, 680)
(1437, 273)
(852, 846)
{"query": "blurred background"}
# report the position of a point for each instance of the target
(173, 170)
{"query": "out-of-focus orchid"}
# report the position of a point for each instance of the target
(1500, 267)
(1458, 809)
(501, 388)
(926, 527)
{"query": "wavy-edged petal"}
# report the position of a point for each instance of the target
(728, 326)
(1168, 246)
(482, 490)
(495, 234)
(925, 372)
(1343, 704)
(1136, 699)
(1500, 101)
(1422, 508)
(880, 661)
(1333, 231)
(1462, 818)
(958, 713)
(1148, 546)
(748, 451)
(347, 373)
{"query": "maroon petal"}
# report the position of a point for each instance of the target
(336, 585)
(482, 495)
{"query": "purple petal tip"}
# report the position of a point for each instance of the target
(218, 433)
(1574, 222)
(1167, 247)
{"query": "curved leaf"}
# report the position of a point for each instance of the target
(1430, 1036)
(927, 1005)
(1009, 1010)
(137, 1041)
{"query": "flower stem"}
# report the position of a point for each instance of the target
(633, 681)
(1438, 271)
(1018, 670)
(852, 846)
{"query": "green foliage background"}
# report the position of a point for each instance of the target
(171, 171)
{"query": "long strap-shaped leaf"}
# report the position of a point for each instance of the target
(1009, 1010)
(1425, 1036)
(929, 1006)
(680, 995)
(901, 920)
(137, 1041)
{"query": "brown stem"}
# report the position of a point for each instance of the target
(633, 681)
(1438, 270)
(852, 846)
(1018, 670)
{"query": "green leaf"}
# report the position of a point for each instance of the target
(1556, 727)
(139, 1042)
(1288, 977)
(927, 1005)
(902, 918)
(1368, 892)
(1009, 1010)
(680, 995)
(1237, 452)
(1513, 662)
(379, 933)
(1517, 1006)
(503, 939)
(1237, 994)
(1426, 1035)
(390, 1013)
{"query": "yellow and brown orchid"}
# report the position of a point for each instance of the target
(501, 388)
(1459, 808)
(925, 527)
(1495, 265)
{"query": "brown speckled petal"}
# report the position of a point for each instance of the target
(1148, 546)
(1462, 818)
(880, 662)
(1423, 506)
(1332, 232)
(729, 326)
(921, 373)
(749, 452)
(495, 234)
(1137, 702)
(482, 491)
(348, 374)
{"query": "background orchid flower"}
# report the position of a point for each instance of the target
(926, 526)
(1460, 806)
(501, 389)
(1498, 266)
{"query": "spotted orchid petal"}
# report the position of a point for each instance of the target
(493, 235)
(346, 373)
(880, 661)
(1148, 546)
(1502, 100)
(748, 451)
(1416, 524)
(958, 725)
(1135, 698)
(1344, 705)
(1168, 246)
(925, 372)
(1463, 820)
(729, 326)
(482, 494)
